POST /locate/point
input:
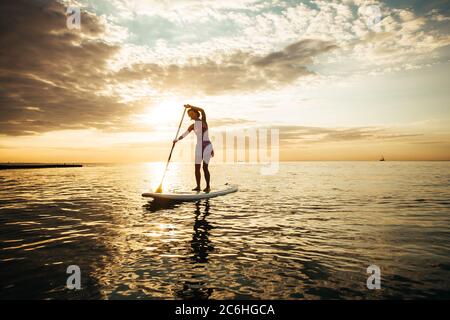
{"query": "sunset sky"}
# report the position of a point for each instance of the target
(338, 79)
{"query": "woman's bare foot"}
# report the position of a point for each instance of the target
(207, 189)
(196, 189)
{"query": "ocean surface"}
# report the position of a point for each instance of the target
(308, 232)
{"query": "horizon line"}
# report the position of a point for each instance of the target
(240, 162)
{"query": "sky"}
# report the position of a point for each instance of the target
(339, 80)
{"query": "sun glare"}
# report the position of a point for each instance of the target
(163, 114)
(155, 170)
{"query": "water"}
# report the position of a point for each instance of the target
(308, 232)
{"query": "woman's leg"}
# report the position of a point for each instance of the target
(198, 164)
(198, 176)
(207, 176)
(207, 154)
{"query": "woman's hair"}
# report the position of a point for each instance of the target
(195, 111)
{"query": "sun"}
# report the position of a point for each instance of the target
(163, 114)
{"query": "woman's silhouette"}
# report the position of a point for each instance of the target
(204, 149)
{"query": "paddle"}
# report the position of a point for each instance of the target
(159, 190)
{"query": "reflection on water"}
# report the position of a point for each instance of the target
(196, 286)
(309, 232)
(156, 205)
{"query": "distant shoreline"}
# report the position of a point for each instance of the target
(6, 166)
(37, 165)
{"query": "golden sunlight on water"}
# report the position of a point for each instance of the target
(309, 231)
(156, 170)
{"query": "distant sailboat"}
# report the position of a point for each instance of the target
(382, 158)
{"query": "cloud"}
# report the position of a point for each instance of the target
(240, 71)
(304, 134)
(409, 38)
(227, 122)
(51, 78)
(297, 53)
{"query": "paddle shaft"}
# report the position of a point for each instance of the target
(171, 150)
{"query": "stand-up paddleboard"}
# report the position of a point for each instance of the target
(192, 195)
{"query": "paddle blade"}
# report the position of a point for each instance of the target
(159, 189)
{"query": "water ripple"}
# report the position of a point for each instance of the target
(308, 232)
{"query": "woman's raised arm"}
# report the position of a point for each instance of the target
(198, 109)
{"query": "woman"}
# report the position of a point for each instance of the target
(203, 150)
